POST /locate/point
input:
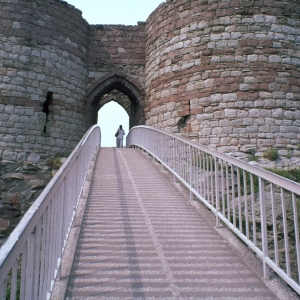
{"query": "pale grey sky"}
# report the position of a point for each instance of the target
(126, 12)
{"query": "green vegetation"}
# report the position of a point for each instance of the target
(54, 163)
(289, 174)
(253, 157)
(248, 183)
(272, 154)
(18, 287)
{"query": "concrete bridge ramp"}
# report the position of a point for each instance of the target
(141, 238)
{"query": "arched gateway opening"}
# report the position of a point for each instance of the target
(122, 89)
(110, 116)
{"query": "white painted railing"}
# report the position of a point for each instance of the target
(258, 206)
(30, 258)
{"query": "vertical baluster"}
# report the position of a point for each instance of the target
(23, 272)
(264, 234)
(212, 196)
(154, 144)
(183, 163)
(275, 235)
(37, 266)
(239, 200)
(179, 158)
(182, 149)
(162, 149)
(227, 188)
(3, 289)
(48, 249)
(197, 158)
(66, 196)
(43, 255)
(205, 180)
(246, 203)
(54, 239)
(56, 231)
(14, 281)
(233, 195)
(200, 177)
(59, 225)
(217, 192)
(296, 228)
(30, 266)
(207, 177)
(286, 233)
(173, 160)
(253, 210)
(191, 170)
(222, 187)
(184, 171)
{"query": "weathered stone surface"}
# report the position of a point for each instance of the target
(33, 157)
(223, 74)
(245, 73)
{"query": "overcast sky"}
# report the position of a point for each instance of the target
(126, 12)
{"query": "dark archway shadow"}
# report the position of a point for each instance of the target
(120, 88)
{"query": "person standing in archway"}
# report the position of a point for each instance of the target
(119, 135)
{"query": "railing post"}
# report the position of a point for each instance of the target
(173, 160)
(191, 172)
(264, 236)
(217, 189)
(154, 146)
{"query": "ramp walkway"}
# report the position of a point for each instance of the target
(141, 238)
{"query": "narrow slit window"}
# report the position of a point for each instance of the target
(46, 108)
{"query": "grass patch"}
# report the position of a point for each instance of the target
(54, 163)
(272, 154)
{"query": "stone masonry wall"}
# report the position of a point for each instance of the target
(43, 53)
(50, 58)
(227, 74)
(43, 76)
(117, 49)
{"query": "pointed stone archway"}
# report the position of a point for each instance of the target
(118, 87)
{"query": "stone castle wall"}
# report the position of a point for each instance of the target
(116, 50)
(51, 59)
(43, 52)
(43, 78)
(226, 74)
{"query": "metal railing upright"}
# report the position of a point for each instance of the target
(30, 259)
(261, 208)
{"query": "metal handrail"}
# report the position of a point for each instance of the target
(254, 203)
(30, 258)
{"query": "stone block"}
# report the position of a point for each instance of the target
(33, 157)
(271, 19)
(9, 155)
(230, 113)
(204, 117)
(216, 97)
(259, 18)
(244, 87)
(232, 97)
(209, 83)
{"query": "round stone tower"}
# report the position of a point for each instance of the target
(227, 74)
(43, 77)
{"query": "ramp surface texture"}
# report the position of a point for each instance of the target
(141, 238)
